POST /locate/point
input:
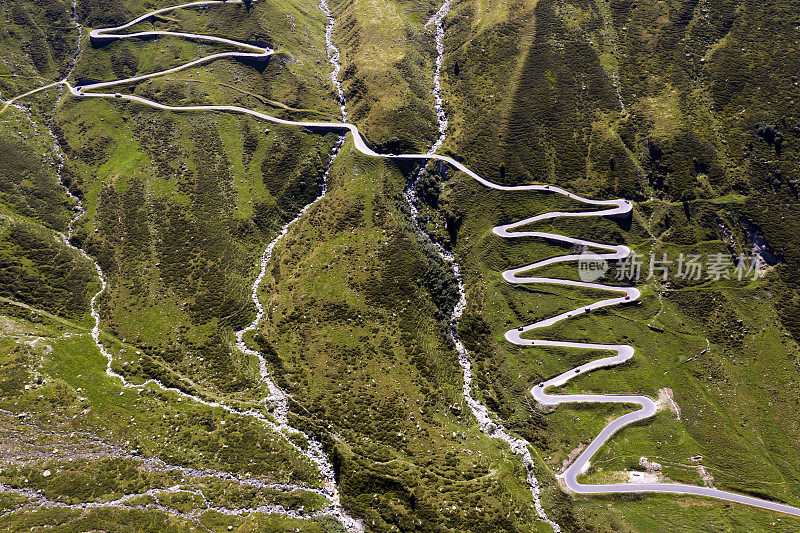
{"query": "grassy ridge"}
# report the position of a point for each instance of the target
(708, 131)
(387, 59)
(352, 334)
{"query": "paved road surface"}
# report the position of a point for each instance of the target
(647, 407)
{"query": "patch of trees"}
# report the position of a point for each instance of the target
(38, 269)
(28, 187)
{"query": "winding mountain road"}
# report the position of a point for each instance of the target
(647, 406)
(516, 336)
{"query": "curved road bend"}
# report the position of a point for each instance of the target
(605, 208)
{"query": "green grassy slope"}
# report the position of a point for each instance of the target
(708, 132)
(180, 206)
(387, 72)
(352, 333)
(38, 40)
(197, 197)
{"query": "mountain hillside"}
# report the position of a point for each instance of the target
(221, 309)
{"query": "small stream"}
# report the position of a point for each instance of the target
(333, 56)
(489, 426)
(441, 115)
(277, 397)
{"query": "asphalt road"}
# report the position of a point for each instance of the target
(619, 207)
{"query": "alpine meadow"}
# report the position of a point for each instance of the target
(395, 265)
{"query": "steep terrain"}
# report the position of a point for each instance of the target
(175, 210)
(686, 109)
(636, 100)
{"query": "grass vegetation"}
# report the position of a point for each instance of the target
(39, 41)
(705, 141)
(180, 206)
(352, 333)
(388, 61)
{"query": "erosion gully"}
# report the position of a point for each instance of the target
(488, 423)
(277, 397)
